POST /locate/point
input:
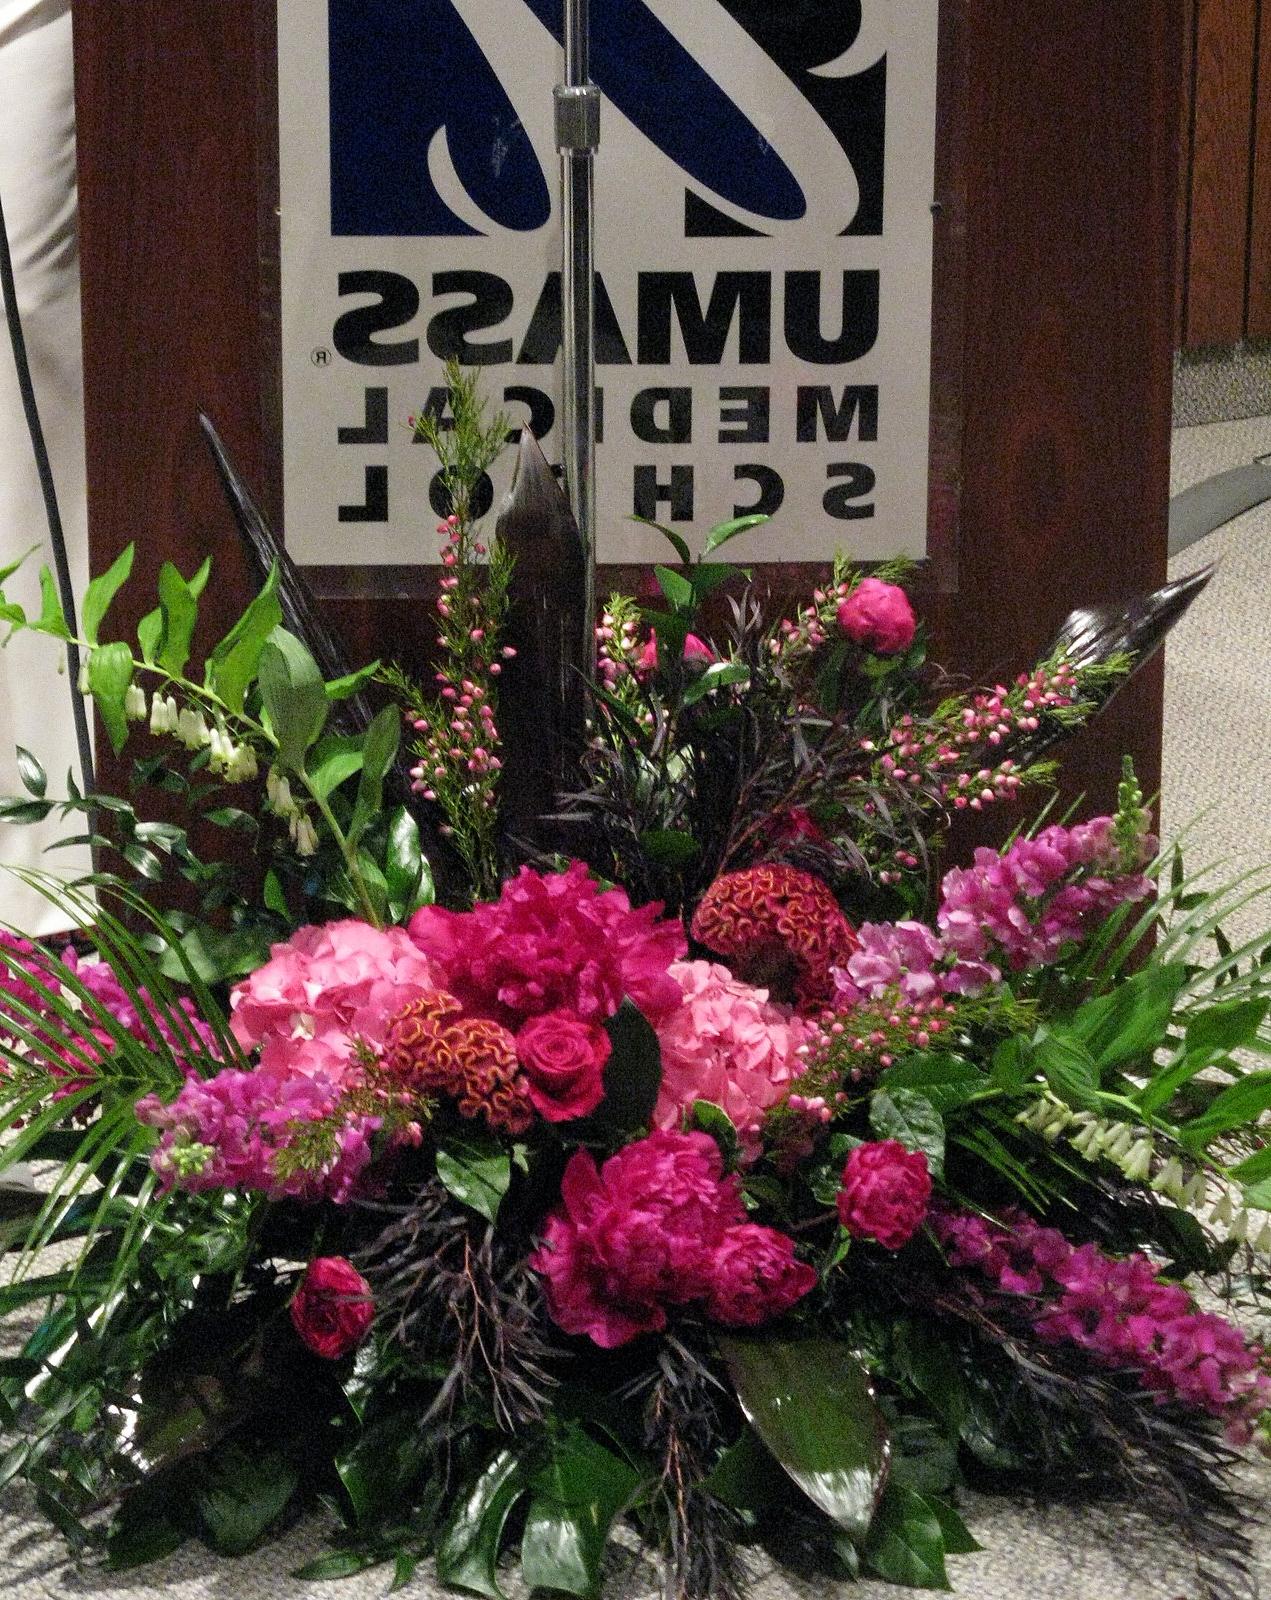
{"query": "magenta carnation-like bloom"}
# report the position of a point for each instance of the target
(227, 1132)
(885, 1192)
(553, 942)
(755, 1276)
(1119, 1312)
(727, 1043)
(326, 990)
(27, 962)
(878, 617)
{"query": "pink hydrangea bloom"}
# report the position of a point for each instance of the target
(324, 992)
(884, 1194)
(727, 1043)
(755, 1276)
(1119, 1311)
(659, 1225)
(553, 942)
(226, 1132)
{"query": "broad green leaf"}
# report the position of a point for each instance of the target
(575, 1499)
(52, 618)
(334, 759)
(922, 1358)
(1068, 1067)
(101, 591)
(109, 674)
(32, 774)
(1131, 1020)
(342, 688)
(150, 635)
(241, 1495)
(743, 1475)
(146, 1528)
(958, 1538)
(406, 872)
(198, 582)
(476, 1169)
(810, 1402)
(378, 751)
(910, 1118)
(677, 544)
(670, 847)
(708, 576)
(468, 1549)
(947, 1081)
(275, 899)
(633, 1072)
(677, 589)
(378, 1469)
(906, 1542)
(717, 676)
(706, 1117)
(1239, 1106)
(291, 687)
(1225, 1027)
(233, 663)
(180, 613)
(338, 1564)
(14, 809)
(722, 532)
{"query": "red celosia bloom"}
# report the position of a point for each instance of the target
(435, 1050)
(766, 917)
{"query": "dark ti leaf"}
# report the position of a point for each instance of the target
(378, 1469)
(34, 779)
(906, 1541)
(575, 1499)
(476, 1169)
(241, 1495)
(1092, 634)
(468, 1549)
(633, 1072)
(811, 1403)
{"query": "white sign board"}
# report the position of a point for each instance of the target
(763, 244)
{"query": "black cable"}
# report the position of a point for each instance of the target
(54, 517)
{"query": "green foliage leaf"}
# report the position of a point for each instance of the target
(338, 1564)
(180, 613)
(921, 1358)
(335, 759)
(52, 619)
(1132, 1019)
(13, 808)
(233, 663)
(1231, 1025)
(378, 751)
(476, 1169)
(910, 1118)
(379, 1467)
(810, 1402)
(633, 1072)
(677, 589)
(468, 1549)
(1240, 1105)
(275, 899)
(677, 544)
(109, 674)
(947, 1081)
(716, 676)
(706, 1117)
(575, 1498)
(150, 635)
(670, 847)
(33, 776)
(906, 1542)
(241, 1494)
(101, 591)
(406, 872)
(1067, 1065)
(295, 698)
(146, 1528)
(722, 532)
(351, 682)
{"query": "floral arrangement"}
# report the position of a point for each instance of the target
(717, 1154)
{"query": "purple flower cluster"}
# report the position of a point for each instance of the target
(909, 959)
(1119, 1312)
(1037, 896)
(228, 1132)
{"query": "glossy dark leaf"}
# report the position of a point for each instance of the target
(379, 1467)
(338, 1564)
(476, 1169)
(468, 1550)
(706, 1117)
(241, 1494)
(811, 1403)
(406, 872)
(906, 1543)
(33, 777)
(576, 1496)
(633, 1073)
(909, 1117)
(722, 532)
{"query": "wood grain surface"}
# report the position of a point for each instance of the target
(1059, 161)
(1258, 316)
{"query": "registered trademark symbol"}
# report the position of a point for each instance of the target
(320, 356)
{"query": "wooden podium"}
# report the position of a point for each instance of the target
(1058, 164)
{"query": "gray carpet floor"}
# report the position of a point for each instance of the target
(1217, 744)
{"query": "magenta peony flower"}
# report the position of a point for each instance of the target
(727, 1043)
(563, 1059)
(755, 1277)
(27, 962)
(326, 990)
(885, 1193)
(332, 1310)
(636, 1236)
(878, 617)
(553, 942)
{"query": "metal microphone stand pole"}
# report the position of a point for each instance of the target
(577, 104)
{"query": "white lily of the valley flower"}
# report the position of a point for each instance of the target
(1239, 1229)
(135, 707)
(305, 836)
(1224, 1211)
(82, 682)
(1169, 1181)
(1138, 1161)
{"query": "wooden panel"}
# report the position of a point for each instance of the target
(1220, 172)
(1051, 426)
(1184, 211)
(1258, 325)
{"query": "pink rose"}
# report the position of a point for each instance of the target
(695, 649)
(755, 1276)
(564, 1062)
(332, 1309)
(636, 1235)
(885, 1193)
(878, 617)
